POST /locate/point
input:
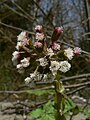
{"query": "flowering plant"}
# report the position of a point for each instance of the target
(47, 59)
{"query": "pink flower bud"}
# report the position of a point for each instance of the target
(59, 30)
(38, 28)
(77, 51)
(55, 46)
(56, 34)
(25, 41)
(38, 45)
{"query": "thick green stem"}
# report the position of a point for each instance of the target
(58, 100)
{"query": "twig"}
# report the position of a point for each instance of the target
(74, 91)
(88, 33)
(20, 14)
(43, 13)
(84, 84)
(16, 28)
(87, 75)
(23, 10)
(13, 92)
(78, 85)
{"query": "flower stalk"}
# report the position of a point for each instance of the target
(58, 100)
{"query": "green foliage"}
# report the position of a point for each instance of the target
(47, 111)
(70, 106)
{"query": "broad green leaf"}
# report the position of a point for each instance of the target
(46, 112)
(75, 110)
(36, 113)
(47, 117)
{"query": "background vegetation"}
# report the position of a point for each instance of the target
(18, 15)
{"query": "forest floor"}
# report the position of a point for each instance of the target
(10, 114)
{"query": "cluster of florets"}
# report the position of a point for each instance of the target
(49, 57)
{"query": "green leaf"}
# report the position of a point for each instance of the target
(46, 112)
(47, 117)
(75, 110)
(36, 113)
(48, 107)
(69, 105)
(63, 104)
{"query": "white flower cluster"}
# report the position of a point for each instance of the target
(33, 76)
(23, 64)
(62, 66)
(22, 40)
(50, 52)
(49, 57)
(21, 36)
(43, 61)
(18, 61)
(15, 57)
(69, 53)
(54, 67)
(30, 78)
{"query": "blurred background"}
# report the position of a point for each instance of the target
(19, 15)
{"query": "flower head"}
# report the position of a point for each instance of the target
(15, 54)
(55, 46)
(27, 80)
(69, 53)
(64, 66)
(43, 61)
(38, 28)
(77, 51)
(56, 34)
(39, 36)
(15, 58)
(21, 36)
(25, 62)
(25, 41)
(38, 44)
(54, 67)
(20, 68)
(50, 52)
(19, 44)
